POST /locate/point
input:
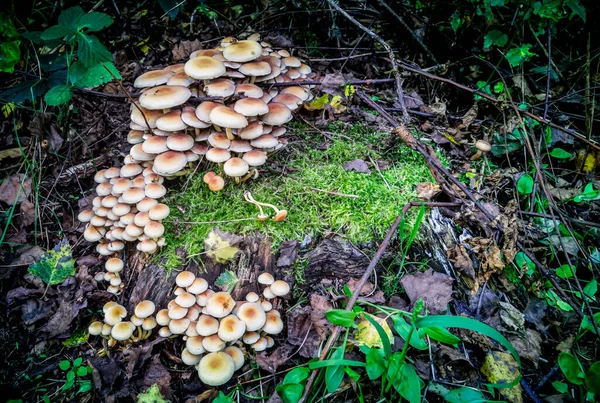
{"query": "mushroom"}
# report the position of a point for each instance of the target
(204, 68)
(280, 288)
(207, 325)
(483, 147)
(229, 119)
(164, 97)
(243, 51)
(215, 369)
(188, 358)
(237, 355)
(231, 328)
(273, 324)
(252, 315)
(220, 304)
(213, 343)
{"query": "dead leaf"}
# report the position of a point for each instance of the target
(288, 253)
(489, 255)
(366, 334)
(434, 288)
(333, 83)
(470, 116)
(15, 189)
(367, 288)
(412, 100)
(27, 213)
(10, 153)
(220, 245)
(528, 346)
(183, 49)
(357, 165)
(459, 256)
(427, 190)
(302, 333)
(500, 367)
(438, 108)
(270, 361)
(38, 123)
(511, 316)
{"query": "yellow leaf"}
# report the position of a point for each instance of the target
(318, 103)
(7, 109)
(451, 139)
(349, 90)
(367, 335)
(587, 160)
(143, 45)
(10, 153)
(499, 367)
(218, 248)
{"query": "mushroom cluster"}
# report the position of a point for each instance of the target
(218, 330)
(115, 329)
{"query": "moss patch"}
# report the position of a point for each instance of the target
(308, 162)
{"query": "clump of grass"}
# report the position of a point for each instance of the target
(310, 212)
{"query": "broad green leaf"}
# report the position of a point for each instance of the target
(84, 386)
(10, 52)
(408, 383)
(94, 21)
(525, 184)
(499, 87)
(54, 266)
(571, 368)
(441, 334)
(318, 103)
(70, 17)
(341, 317)
(59, 77)
(576, 8)
(374, 332)
(560, 387)
(519, 54)
(560, 154)
(290, 392)
(90, 51)
(77, 361)
(591, 289)
(151, 395)
(56, 32)
(227, 280)
(464, 395)
(494, 37)
(59, 95)
(592, 378)
(64, 365)
(375, 363)
(171, 7)
(81, 371)
(53, 62)
(26, 91)
(333, 362)
(334, 374)
(296, 375)
(352, 374)
(223, 398)
(70, 376)
(565, 271)
(403, 328)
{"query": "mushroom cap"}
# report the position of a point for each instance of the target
(291, 61)
(144, 309)
(186, 300)
(280, 288)
(252, 297)
(240, 146)
(207, 325)
(213, 343)
(260, 345)
(121, 185)
(235, 167)
(227, 117)
(289, 100)
(164, 332)
(179, 326)
(249, 90)
(203, 110)
(92, 234)
(149, 323)
(130, 170)
(180, 142)
(95, 328)
(278, 131)
(139, 154)
(278, 114)
(255, 158)
(133, 195)
(154, 229)
(215, 369)
(265, 141)
(185, 279)
(266, 278)
(251, 107)
(243, 51)
(164, 97)
(162, 317)
(218, 155)
(255, 69)
(194, 345)
(146, 204)
(231, 328)
(200, 149)
(483, 146)
(237, 355)
(198, 286)
(180, 78)
(114, 314)
(219, 140)
(251, 337)
(170, 162)
(171, 121)
(114, 265)
(274, 324)
(252, 131)
(147, 246)
(220, 304)
(188, 115)
(207, 177)
(268, 294)
(204, 68)
(122, 331)
(152, 78)
(297, 91)
(159, 212)
(85, 215)
(216, 183)
(252, 315)
(188, 358)
(155, 190)
(223, 87)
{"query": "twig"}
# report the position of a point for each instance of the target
(339, 59)
(412, 33)
(379, 172)
(387, 47)
(212, 222)
(334, 193)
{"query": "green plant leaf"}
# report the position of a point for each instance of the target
(223, 398)
(10, 52)
(227, 279)
(341, 317)
(525, 184)
(375, 363)
(77, 361)
(334, 373)
(83, 77)
(464, 395)
(296, 375)
(519, 54)
(571, 368)
(290, 393)
(499, 87)
(576, 9)
(81, 371)
(592, 378)
(26, 91)
(56, 32)
(151, 395)
(332, 362)
(560, 154)
(523, 262)
(494, 37)
(171, 7)
(381, 337)
(71, 376)
(54, 266)
(64, 365)
(565, 271)
(408, 383)
(59, 95)
(441, 334)
(91, 51)
(84, 386)
(94, 21)
(69, 18)
(591, 289)
(403, 328)
(560, 387)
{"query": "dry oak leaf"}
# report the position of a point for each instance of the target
(434, 288)
(427, 190)
(528, 346)
(489, 255)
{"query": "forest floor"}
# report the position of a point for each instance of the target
(481, 237)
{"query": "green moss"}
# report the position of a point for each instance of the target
(287, 181)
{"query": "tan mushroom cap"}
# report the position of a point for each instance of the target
(159, 211)
(289, 100)
(243, 51)
(114, 265)
(180, 78)
(203, 110)
(130, 170)
(235, 167)
(255, 69)
(255, 158)
(171, 122)
(122, 331)
(152, 78)
(162, 317)
(216, 183)
(154, 229)
(139, 154)
(149, 323)
(133, 195)
(483, 146)
(227, 117)
(278, 114)
(207, 325)
(170, 162)
(250, 337)
(231, 328)
(280, 288)
(297, 91)
(222, 87)
(155, 190)
(164, 97)
(291, 61)
(190, 359)
(278, 131)
(185, 300)
(252, 131)
(217, 368)
(240, 146)
(176, 311)
(268, 294)
(120, 186)
(260, 345)
(147, 246)
(213, 343)
(252, 297)
(164, 332)
(194, 345)
(114, 314)
(185, 279)
(273, 324)
(266, 278)
(219, 140)
(220, 304)
(237, 355)
(251, 107)
(146, 204)
(252, 315)
(179, 326)
(92, 234)
(249, 90)
(204, 68)
(95, 328)
(180, 142)
(85, 215)
(198, 286)
(144, 309)
(218, 155)
(265, 141)
(188, 115)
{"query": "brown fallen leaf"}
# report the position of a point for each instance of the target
(427, 190)
(529, 346)
(434, 288)
(27, 213)
(459, 256)
(357, 165)
(271, 360)
(490, 256)
(183, 49)
(15, 189)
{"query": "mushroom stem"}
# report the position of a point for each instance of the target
(252, 79)
(230, 135)
(248, 175)
(248, 197)
(166, 110)
(477, 156)
(217, 128)
(280, 215)
(101, 352)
